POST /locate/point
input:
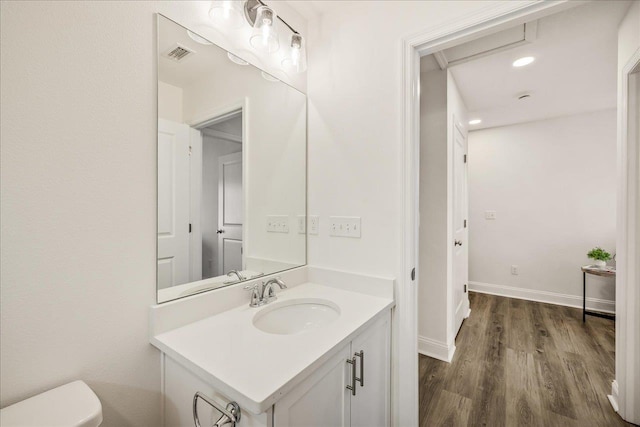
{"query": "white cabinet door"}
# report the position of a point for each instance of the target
(321, 400)
(370, 407)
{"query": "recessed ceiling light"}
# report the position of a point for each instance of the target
(523, 61)
(475, 122)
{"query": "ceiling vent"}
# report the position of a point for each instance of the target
(178, 52)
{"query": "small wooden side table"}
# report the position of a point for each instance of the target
(596, 271)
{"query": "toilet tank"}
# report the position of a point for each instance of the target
(70, 405)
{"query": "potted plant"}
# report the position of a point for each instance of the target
(599, 256)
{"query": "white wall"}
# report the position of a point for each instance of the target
(552, 184)
(169, 102)
(78, 207)
(433, 259)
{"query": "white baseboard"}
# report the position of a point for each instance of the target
(597, 304)
(613, 397)
(436, 349)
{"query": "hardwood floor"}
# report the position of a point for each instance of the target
(522, 363)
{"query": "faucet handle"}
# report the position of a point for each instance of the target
(256, 298)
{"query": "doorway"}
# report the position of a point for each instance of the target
(427, 43)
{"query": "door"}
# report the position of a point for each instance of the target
(460, 230)
(322, 399)
(173, 203)
(230, 213)
(371, 405)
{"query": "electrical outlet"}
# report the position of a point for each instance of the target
(515, 270)
(489, 214)
(314, 224)
(277, 224)
(345, 226)
(302, 224)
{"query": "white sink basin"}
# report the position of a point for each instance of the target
(297, 315)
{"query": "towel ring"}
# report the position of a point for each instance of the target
(230, 414)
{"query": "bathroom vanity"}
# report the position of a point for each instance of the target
(232, 168)
(300, 367)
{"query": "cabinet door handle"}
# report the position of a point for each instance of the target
(352, 387)
(361, 379)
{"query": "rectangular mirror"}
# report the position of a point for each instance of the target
(232, 168)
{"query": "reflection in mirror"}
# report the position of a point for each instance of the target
(231, 168)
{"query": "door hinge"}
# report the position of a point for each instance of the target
(413, 273)
(189, 150)
(465, 223)
(465, 158)
(189, 228)
(465, 288)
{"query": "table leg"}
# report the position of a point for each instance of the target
(584, 296)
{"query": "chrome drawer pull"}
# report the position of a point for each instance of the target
(352, 387)
(230, 414)
(360, 354)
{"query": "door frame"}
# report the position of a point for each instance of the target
(625, 390)
(494, 17)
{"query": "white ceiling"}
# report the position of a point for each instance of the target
(574, 71)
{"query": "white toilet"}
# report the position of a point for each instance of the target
(70, 405)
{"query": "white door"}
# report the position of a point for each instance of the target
(230, 213)
(173, 203)
(322, 399)
(371, 405)
(460, 230)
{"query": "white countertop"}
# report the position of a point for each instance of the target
(256, 368)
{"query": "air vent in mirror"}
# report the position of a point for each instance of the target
(178, 52)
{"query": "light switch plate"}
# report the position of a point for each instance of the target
(314, 224)
(489, 214)
(344, 226)
(277, 224)
(302, 224)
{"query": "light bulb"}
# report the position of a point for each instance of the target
(265, 37)
(226, 13)
(296, 62)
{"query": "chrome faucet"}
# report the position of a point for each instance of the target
(264, 292)
(237, 273)
(268, 292)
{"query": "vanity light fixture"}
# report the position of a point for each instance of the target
(523, 61)
(296, 62)
(475, 122)
(236, 59)
(264, 37)
(226, 13)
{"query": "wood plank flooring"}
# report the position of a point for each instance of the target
(522, 363)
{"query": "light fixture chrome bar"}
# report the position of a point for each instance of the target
(250, 8)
